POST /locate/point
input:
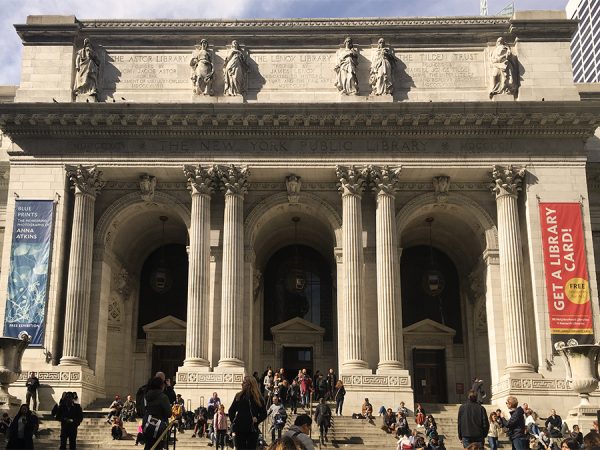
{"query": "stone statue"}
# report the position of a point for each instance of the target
(347, 64)
(202, 69)
(293, 184)
(147, 187)
(381, 75)
(505, 70)
(236, 70)
(441, 185)
(87, 66)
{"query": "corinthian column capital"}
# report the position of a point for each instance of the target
(352, 179)
(384, 180)
(234, 179)
(85, 179)
(507, 180)
(200, 179)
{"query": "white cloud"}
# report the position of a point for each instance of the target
(16, 11)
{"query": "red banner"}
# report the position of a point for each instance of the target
(567, 282)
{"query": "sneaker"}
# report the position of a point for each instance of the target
(194, 435)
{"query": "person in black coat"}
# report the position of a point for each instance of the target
(21, 429)
(70, 415)
(473, 423)
(323, 419)
(516, 425)
(157, 412)
(246, 412)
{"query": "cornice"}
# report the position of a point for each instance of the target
(518, 119)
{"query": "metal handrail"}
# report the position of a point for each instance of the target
(166, 434)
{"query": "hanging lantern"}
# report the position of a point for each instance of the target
(433, 281)
(160, 278)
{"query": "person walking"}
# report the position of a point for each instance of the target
(22, 428)
(516, 425)
(32, 385)
(70, 415)
(157, 412)
(246, 412)
(473, 423)
(340, 393)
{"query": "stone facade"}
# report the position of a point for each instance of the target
(233, 130)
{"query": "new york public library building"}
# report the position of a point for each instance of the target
(412, 202)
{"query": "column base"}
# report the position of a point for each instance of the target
(198, 385)
(73, 361)
(584, 416)
(197, 363)
(391, 367)
(519, 368)
(232, 365)
(355, 366)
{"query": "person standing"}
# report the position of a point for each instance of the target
(494, 432)
(340, 393)
(32, 385)
(516, 425)
(473, 423)
(331, 382)
(70, 415)
(157, 412)
(21, 429)
(246, 412)
(220, 425)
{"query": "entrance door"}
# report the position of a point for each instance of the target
(167, 359)
(297, 358)
(429, 376)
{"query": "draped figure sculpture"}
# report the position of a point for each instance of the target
(346, 67)
(236, 70)
(202, 69)
(505, 70)
(381, 75)
(87, 67)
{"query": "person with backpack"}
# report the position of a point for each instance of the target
(300, 431)
(158, 410)
(323, 419)
(246, 413)
(278, 416)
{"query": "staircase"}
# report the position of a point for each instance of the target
(347, 433)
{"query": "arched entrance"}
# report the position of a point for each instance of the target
(445, 294)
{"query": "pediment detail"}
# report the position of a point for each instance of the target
(167, 323)
(297, 325)
(429, 326)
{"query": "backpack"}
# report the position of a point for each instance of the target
(280, 419)
(153, 428)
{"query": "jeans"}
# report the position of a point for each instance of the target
(221, 439)
(68, 432)
(306, 398)
(520, 444)
(31, 396)
(493, 442)
(466, 441)
(339, 403)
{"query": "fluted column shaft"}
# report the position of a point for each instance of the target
(86, 182)
(200, 182)
(507, 185)
(232, 335)
(351, 185)
(389, 308)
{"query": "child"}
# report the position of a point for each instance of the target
(220, 426)
(140, 436)
(117, 428)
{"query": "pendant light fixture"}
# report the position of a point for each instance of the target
(161, 279)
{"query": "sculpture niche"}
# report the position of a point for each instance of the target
(505, 70)
(581, 362)
(346, 67)
(11, 353)
(202, 69)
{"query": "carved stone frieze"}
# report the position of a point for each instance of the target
(203, 378)
(352, 179)
(293, 185)
(122, 283)
(234, 179)
(441, 185)
(85, 179)
(507, 180)
(147, 186)
(366, 381)
(385, 179)
(200, 179)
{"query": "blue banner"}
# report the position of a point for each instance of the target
(29, 269)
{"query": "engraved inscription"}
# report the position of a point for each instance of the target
(147, 71)
(439, 70)
(294, 71)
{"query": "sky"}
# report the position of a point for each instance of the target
(16, 11)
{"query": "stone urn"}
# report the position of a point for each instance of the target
(11, 353)
(581, 362)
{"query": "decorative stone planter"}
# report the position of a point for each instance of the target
(11, 353)
(581, 362)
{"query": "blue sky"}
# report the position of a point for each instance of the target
(16, 11)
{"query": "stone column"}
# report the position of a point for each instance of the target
(351, 185)
(235, 185)
(507, 184)
(86, 183)
(200, 183)
(389, 304)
